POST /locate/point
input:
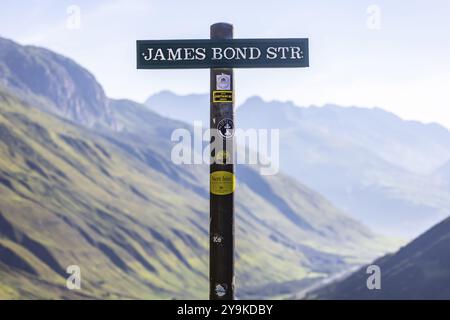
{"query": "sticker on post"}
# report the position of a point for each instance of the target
(222, 183)
(223, 157)
(225, 127)
(223, 82)
(220, 290)
(217, 239)
(222, 96)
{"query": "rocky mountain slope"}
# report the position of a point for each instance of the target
(420, 270)
(53, 83)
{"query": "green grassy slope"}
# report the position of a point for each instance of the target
(137, 224)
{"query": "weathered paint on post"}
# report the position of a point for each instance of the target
(222, 180)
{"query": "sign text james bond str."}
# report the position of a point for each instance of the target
(227, 53)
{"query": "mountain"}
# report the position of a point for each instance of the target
(411, 145)
(442, 174)
(137, 224)
(420, 270)
(193, 107)
(112, 202)
(54, 83)
(369, 162)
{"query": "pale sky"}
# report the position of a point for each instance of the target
(390, 54)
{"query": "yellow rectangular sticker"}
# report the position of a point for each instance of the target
(222, 96)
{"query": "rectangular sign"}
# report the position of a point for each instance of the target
(222, 96)
(230, 53)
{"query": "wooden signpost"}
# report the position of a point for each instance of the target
(221, 53)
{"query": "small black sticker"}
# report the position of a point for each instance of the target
(223, 96)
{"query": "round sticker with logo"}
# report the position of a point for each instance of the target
(226, 128)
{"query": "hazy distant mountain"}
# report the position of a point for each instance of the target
(113, 203)
(369, 162)
(53, 82)
(442, 175)
(412, 145)
(190, 108)
(420, 270)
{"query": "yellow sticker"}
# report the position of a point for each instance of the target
(222, 96)
(223, 157)
(222, 183)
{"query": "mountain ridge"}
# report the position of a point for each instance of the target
(419, 270)
(53, 82)
(370, 163)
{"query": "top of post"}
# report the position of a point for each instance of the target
(222, 30)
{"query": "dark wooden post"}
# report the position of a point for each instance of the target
(222, 180)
